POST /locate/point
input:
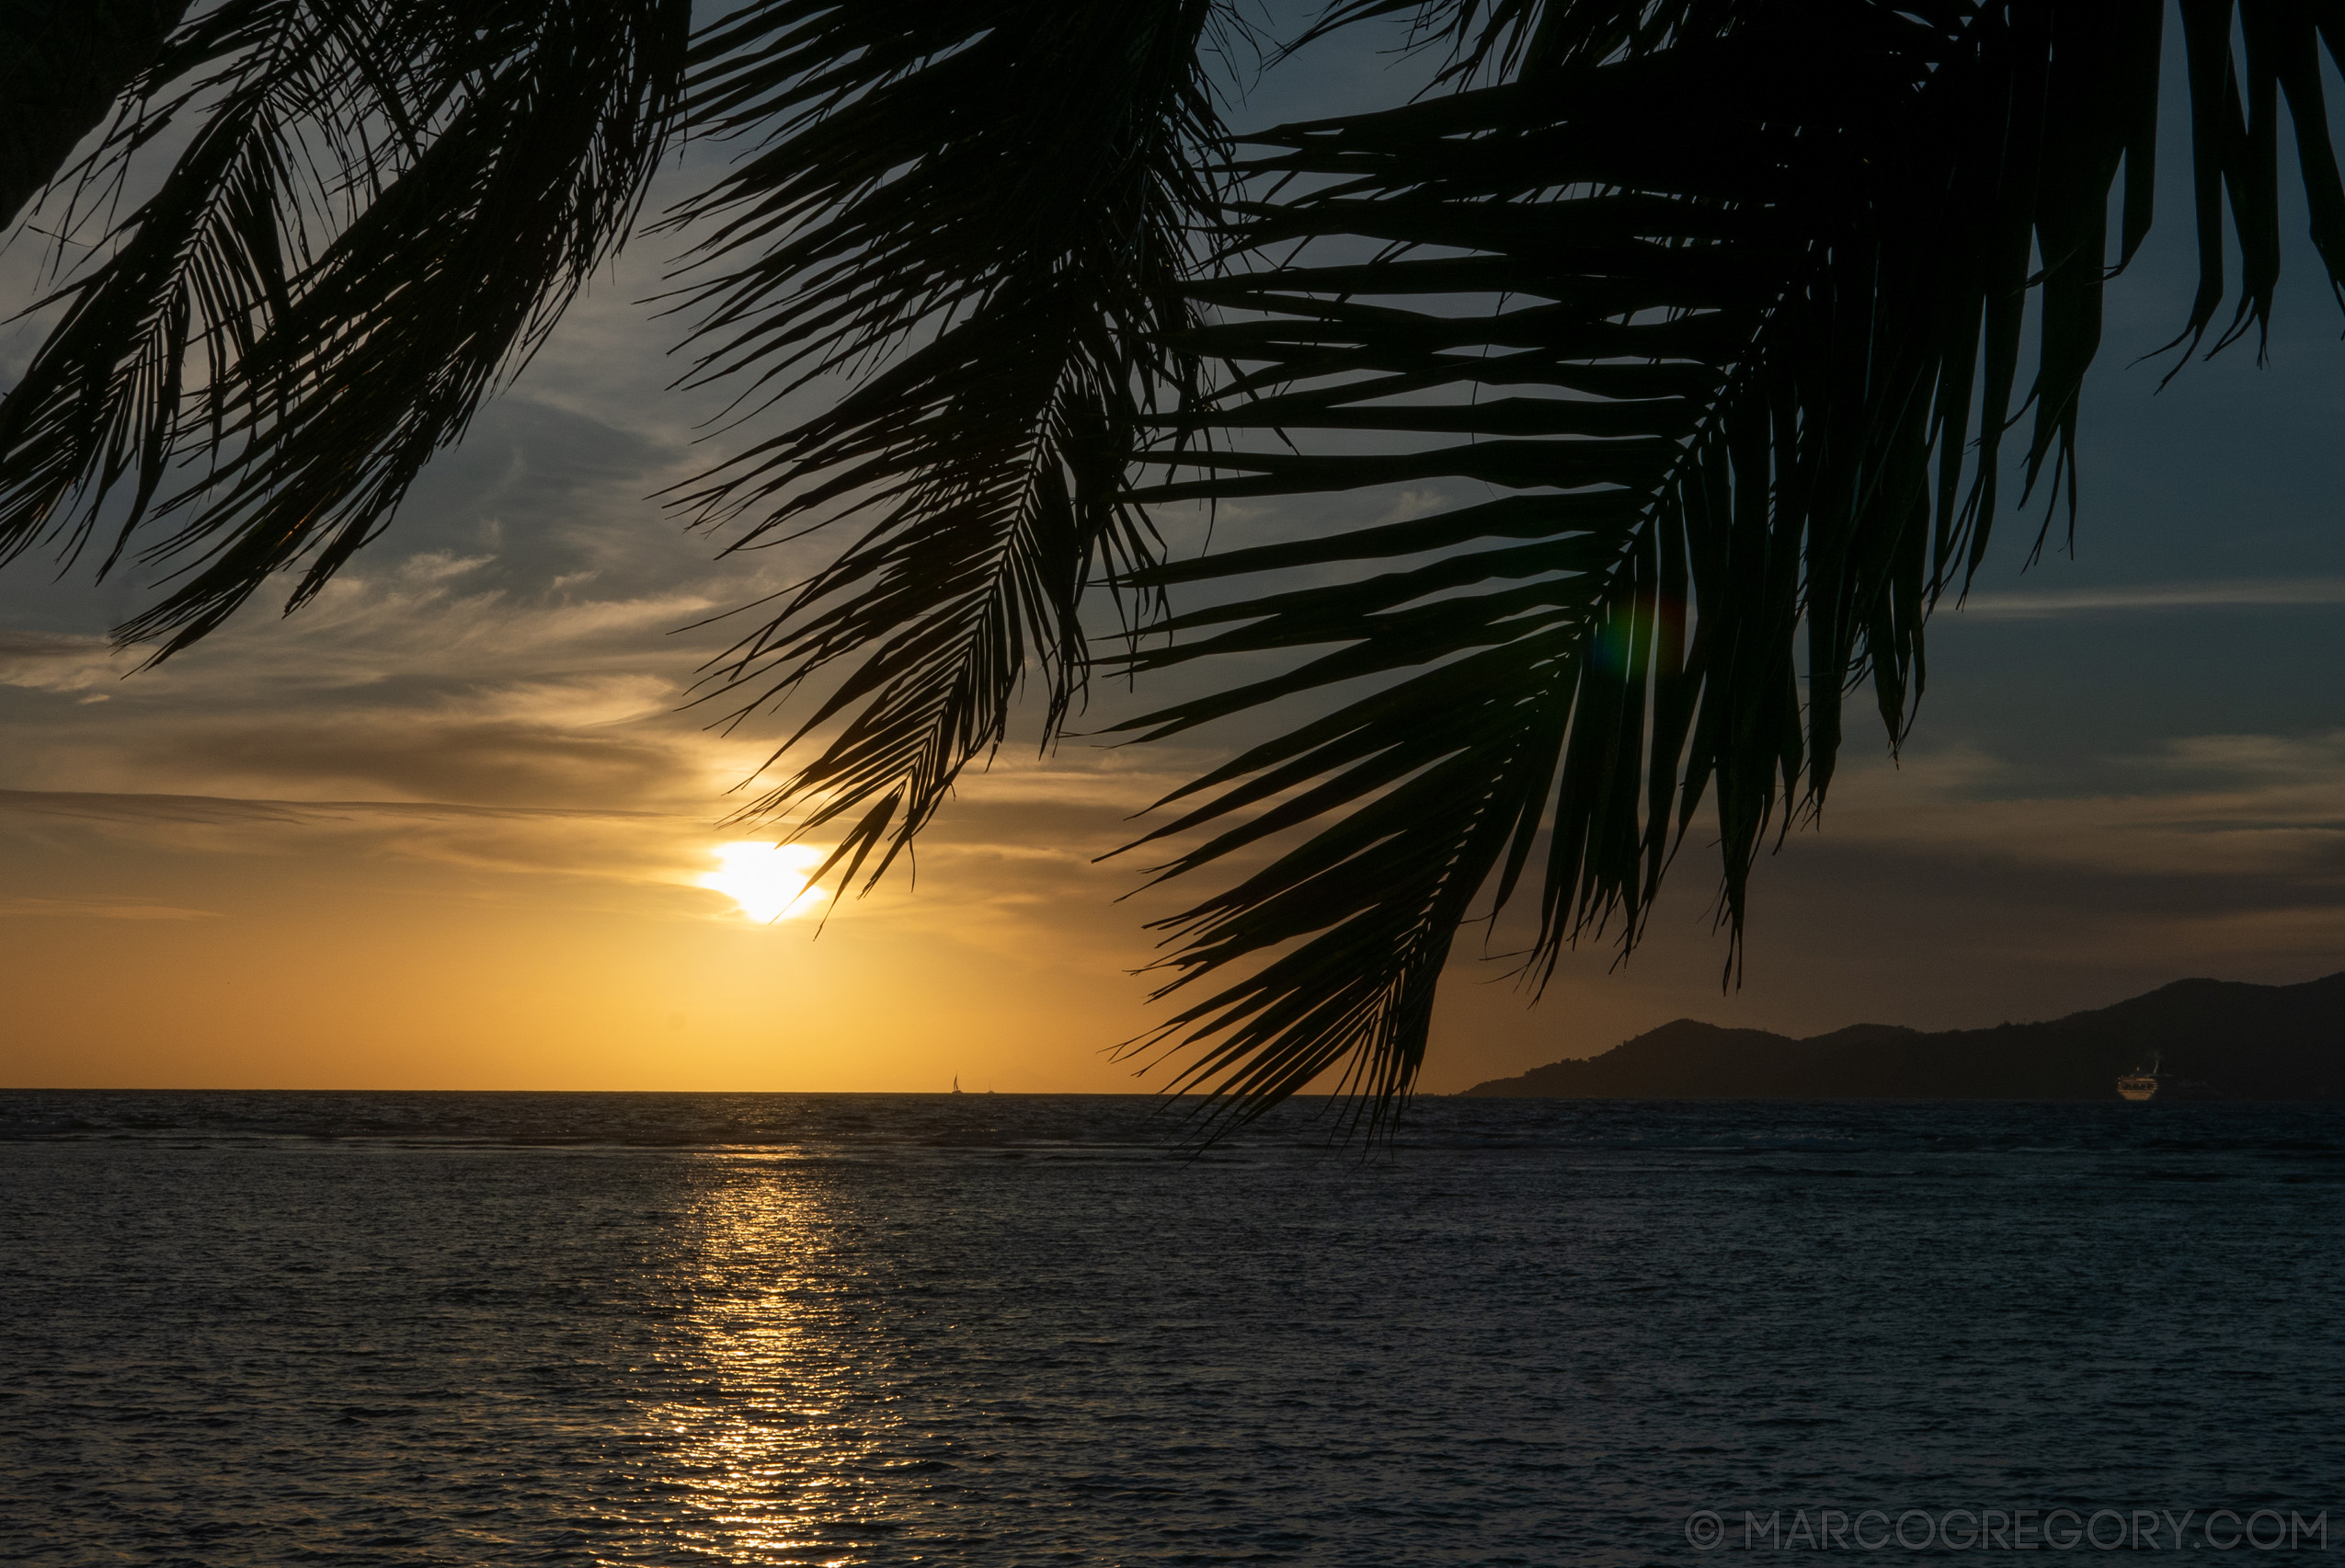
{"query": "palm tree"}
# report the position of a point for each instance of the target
(1728, 296)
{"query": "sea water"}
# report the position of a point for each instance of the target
(510, 1328)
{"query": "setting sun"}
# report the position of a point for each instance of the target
(767, 881)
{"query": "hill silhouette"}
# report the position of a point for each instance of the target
(2216, 1039)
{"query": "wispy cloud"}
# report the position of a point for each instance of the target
(2269, 809)
(61, 661)
(96, 908)
(214, 810)
(640, 847)
(2236, 592)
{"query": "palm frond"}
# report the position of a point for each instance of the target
(272, 345)
(1515, 40)
(62, 67)
(1748, 310)
(993, 204)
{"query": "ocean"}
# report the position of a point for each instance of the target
(687, 1329)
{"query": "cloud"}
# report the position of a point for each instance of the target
(412, 619)
(61, 661)
(2317, 760)
(482, 762)
(125, 809)
(2266, 807)
(2242, 593)
(87, 908)
(105, 807)
(419, 677)
(636, 846)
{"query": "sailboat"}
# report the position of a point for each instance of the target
(2140, 1085)
(956, 1084)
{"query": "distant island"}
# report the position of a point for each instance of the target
(2214, 1039)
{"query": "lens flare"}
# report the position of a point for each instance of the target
(767, 881)
(1632, 631)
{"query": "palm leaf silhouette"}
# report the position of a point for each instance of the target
(1013, 188)
(1745, 288)
(379, 207)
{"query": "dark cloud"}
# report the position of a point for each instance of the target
(51, 837)
(36, 646)
(228, 811)
(93, 805)
(511, 764)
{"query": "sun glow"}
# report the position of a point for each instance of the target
(768, 881)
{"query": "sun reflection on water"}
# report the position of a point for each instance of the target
(765, 1447)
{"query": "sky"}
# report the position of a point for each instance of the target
(454, 825)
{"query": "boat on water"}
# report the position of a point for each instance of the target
(2139, 1085)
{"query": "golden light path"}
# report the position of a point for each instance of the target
(768, 881)
(773, 1443)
